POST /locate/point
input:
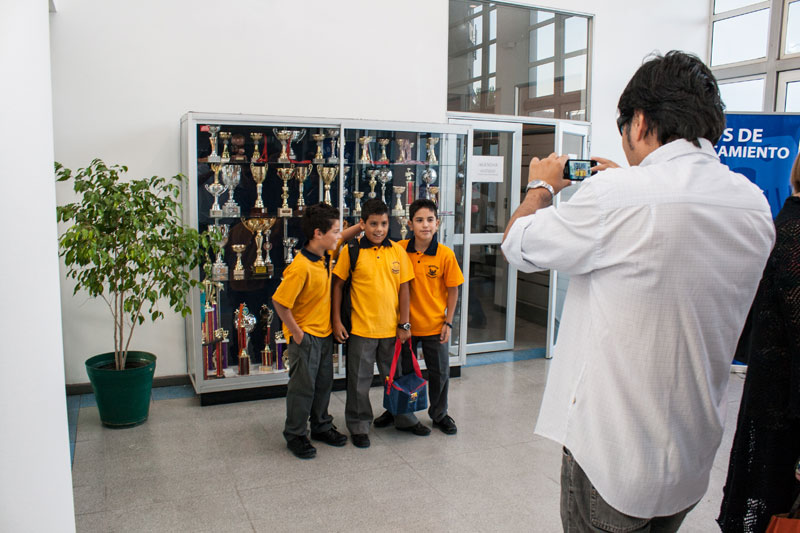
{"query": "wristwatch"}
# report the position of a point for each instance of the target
(406, 326)
(535, 184)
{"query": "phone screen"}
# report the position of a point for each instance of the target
(578, 169)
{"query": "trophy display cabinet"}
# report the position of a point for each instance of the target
(250, 178)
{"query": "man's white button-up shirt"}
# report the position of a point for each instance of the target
(664, 258)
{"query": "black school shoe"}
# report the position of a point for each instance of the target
(301, 447)
(384, 420)
(360, 440)
(418, 430)
(330, 437)
(447, 425)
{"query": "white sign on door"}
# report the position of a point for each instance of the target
(487, 168)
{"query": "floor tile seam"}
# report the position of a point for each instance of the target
(443, 495)
(459, 454)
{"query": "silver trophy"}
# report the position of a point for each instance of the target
(297, 135)
(219, 270)
(384, 176)
(231, 175)
(334, 136)
(429, 177)
(214, 157)
(399, 210)
(288, 244)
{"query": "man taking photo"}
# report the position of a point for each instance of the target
(664, 259)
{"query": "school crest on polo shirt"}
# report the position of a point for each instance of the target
(432, 271)
(395, 267)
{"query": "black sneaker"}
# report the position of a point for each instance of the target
(301, 447)
(447, 425)
(384, 420)
(330, 437)
(418, 429)
(360, 440)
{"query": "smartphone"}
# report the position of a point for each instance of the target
(578, 169)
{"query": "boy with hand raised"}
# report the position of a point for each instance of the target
(380, 314)
(433, 297)
(302, 302)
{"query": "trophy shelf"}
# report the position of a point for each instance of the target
(250, 179)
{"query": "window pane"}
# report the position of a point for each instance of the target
(477, 61)
(477, 30)
(545, 42)
(492, 58)
(793, 97)
(793, 29)
(540, 16)
(576, 34)
(575, 73)
(743, 95)
(728, 5)
(492, 24)
(541, 80)
(740, 38)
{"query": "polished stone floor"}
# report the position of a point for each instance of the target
(226, 468)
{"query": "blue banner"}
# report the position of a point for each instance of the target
(763, 148)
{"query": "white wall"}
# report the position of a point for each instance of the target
(36, 481)
(124, 72)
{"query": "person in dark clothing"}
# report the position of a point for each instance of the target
(761, 474)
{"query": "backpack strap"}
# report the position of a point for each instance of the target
(353, 247)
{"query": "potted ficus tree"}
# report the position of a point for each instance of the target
(127, 244)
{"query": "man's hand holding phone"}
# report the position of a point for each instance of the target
(550, 170)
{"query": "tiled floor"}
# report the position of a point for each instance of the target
(226, 468)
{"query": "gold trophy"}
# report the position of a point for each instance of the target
(400, 151)
(216, 189)
(212, 139)
(261, 268)
(327, 174)
(431, 142)
(398, 210)
(256, 152)
(283, 136)
(364, 141)
(259, 175)
(238, 268)
(358, 195)
(225, 137)
(383, 143)
(434, 192)
(403, 227)
(318, 138)
(372, 182)
(301, 173)
(285, 174)
(409, 188)
(429, 177)
(266, 325)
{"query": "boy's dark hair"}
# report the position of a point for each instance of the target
(319, 216)
(373, 206)
(678, 96)
(422, 203)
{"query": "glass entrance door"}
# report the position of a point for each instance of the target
(487, 321)
(572, 140)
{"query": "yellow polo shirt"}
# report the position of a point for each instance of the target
(379, 272)
(435, 269)
(306, 291)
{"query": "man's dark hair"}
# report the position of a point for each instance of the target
(678, 96)
(373, 206)
(319, 216)
(422, 203)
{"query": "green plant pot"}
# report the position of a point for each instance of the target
(123, 396)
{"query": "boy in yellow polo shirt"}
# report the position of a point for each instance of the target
(434, 293)
(379, 295)
(302, 302)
